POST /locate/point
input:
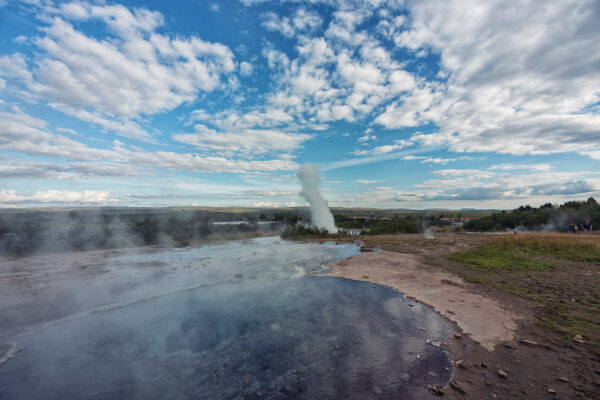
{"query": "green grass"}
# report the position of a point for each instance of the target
(559, 273)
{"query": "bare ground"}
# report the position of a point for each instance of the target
(500, 349)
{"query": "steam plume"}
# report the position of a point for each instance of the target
(309, 177)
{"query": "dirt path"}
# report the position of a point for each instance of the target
(481, 317)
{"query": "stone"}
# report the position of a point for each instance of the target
(457, 335)
(461, 364)
(456, 386)
(376, 389)
(528, 342)
(436, 389)
(551, 391)
(562, 379)
(365, 276)
(577, 338)
(483, 365)
(405, 377)
(502, 374)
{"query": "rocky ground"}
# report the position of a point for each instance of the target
(501, 348)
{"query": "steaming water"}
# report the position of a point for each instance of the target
(264, 330)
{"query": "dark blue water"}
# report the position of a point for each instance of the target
(304, 338)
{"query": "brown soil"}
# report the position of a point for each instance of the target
(495, 331)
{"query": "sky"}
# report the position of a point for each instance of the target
(404, 104)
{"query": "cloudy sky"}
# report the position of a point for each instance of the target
(404, 104)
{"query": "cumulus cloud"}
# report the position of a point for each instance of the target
(132, 71)
(521, 76)
(301, 21)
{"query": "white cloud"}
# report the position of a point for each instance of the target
(268, 204)
(521, 76)
(57, 196)
(248, 141)
(22, 133)
(384, 149)
(367, 181)
(131, 72)
(246, 68)
(301, 21)
(436, 160)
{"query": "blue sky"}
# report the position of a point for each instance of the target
(404, 104)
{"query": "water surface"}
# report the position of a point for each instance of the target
(272, 333)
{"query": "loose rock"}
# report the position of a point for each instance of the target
(502, 374)
(436, 389)
(457, 335)
(456, 386)
(528, 342)
(551, 391)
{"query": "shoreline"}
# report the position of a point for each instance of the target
(447, 294)
(500, 349)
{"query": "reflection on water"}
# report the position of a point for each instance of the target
(262, 328)
(300, 338)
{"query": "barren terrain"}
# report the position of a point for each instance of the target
(504, 347)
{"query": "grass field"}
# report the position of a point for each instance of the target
(559, 272)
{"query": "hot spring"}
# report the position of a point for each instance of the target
(239, 320)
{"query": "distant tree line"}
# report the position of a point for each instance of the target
(548, 217)
(28, 231)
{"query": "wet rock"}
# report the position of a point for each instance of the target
(412, 304)
(528, 342)
(502, 374)
(436, 389)
(457, 386)
(421, 328)
(434, 344)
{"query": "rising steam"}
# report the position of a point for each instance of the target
(309, 177)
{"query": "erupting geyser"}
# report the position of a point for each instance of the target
(309, 177)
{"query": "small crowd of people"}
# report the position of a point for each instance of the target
(586, 226)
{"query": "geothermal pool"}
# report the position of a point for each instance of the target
(239, 320)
